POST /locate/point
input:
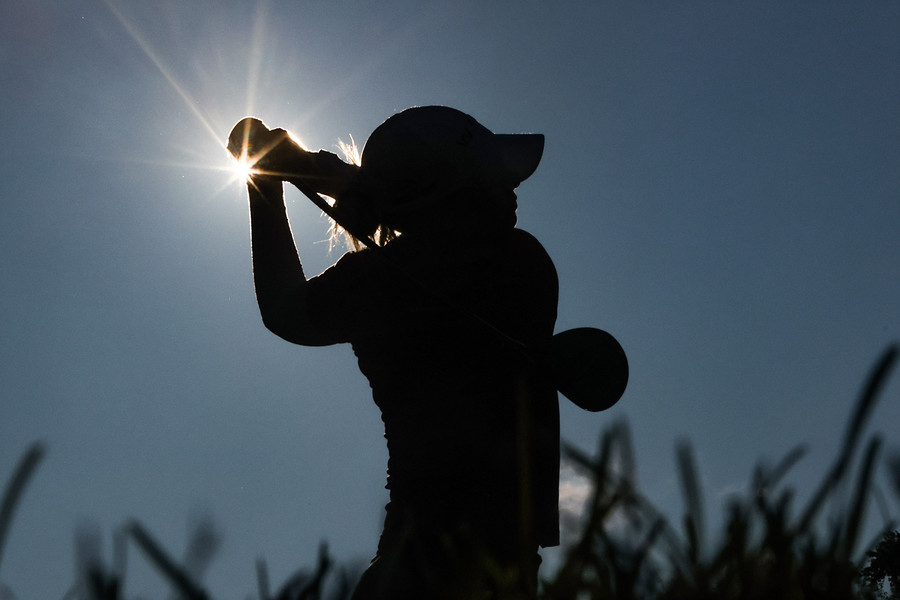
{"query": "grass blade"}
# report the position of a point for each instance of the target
(16, 486)
(786, 464)
(175, 574)
(864, 406)
(262, 579)
(690, 486)
(858, 507)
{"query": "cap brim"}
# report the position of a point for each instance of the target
(520, 153)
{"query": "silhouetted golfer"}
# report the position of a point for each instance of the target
(446, 318)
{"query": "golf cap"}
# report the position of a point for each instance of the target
(434, 150)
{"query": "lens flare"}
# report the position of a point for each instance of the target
(242, 168)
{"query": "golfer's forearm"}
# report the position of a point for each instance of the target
(277, 272)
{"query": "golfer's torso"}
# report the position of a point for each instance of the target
(447, 371)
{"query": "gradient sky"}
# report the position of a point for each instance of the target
(720, 189)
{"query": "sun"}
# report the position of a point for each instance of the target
(243, 160)
(242, 167)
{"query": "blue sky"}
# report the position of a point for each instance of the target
(720, 189)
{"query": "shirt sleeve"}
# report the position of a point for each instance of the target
(343, 300)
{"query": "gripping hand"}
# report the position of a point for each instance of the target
(273, 153)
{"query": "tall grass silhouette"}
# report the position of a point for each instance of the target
(625, 548)
(12, 494)
(767, 550)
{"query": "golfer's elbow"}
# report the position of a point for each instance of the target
(281, 323)
(290, 325)
(277, 325)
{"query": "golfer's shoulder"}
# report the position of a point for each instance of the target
(522, 239)
(352, 270)
(361, 259)
(527, 247)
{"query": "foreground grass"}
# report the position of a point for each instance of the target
(625, 548)
(767, 550)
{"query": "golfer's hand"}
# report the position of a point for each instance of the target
(274, 154)
(270, 152)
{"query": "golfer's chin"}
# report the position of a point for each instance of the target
(503, 211)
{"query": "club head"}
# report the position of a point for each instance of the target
(589, 367)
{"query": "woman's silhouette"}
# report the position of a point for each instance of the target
(449, 318)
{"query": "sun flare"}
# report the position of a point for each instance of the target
(244, 160)
(242, 168)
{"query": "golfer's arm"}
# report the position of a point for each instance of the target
(277, 272)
